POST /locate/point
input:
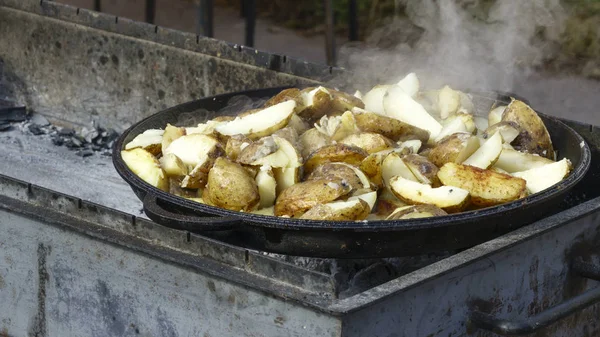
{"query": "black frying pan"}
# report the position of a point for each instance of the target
(348, 239)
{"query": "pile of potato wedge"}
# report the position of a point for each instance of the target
(396, 152)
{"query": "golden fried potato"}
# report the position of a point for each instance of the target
(416, 211)
(544, 177)
(291, 94)
(424, 170)
(371, 166)
(393, 166)
(367, 195)
(388, 127)
(368, 141)
(508, 130)
(286, 177)
(457, 123)
(387, 203)
(172, 165)
(267, 187)
(316, 102)
(455, 148)
(171, 133)
(231, 187)
(312, 140)
(341, 171)
(335, 153)
(149, 140)
(487, 154)
(450, 199)
(299, 198)
(533, 137)
(342, 102)
(349, 210)
(515, 161)
(259, 124)
(487, 188)
(272, 151)
(198, 176)
(144, 165)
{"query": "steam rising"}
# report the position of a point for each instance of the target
(235, 105)
(487, 51)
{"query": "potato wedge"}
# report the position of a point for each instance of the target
(450, 199)
(149, 140)
(514, 161)
(507, 130)
(235, 145)
(194, 149)
(368, 141)
(312, 140)
(267, 187)
(337, 127)
(144, 165)
(291, 94)
(272, 151)
(448, 102)
(286, 177)
(533, 137)
(265, 211)
(298, 124)
(455, 124)
(388, 127)
(342, 102)
(369, 196)
(424, 170)
(198, 176)
(231, 187)
(171, 133)
(341, 171)
(455, 148)
(316, 102)
(495, 115)
(387, 203)
(487, 188)
(349, 210)
(299, 198)
(487, 154)
(481, 123)
(393, 166)
(544, 177)
(401, 106)
(371, 166)
(261, 123)
(335, 153)
(172, 165)
(175, 188)
(416, 211)
(374, 99)
(409, 84)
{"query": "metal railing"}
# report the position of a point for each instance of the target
(205, 23)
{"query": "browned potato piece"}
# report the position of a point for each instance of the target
(416, 211)
(533, 136)
(342, 101)
(316, 103)
(288, 134)
(143, 164)
(487, 188)
(337, 127)
(299, 198)
(286, 177)
(172, 165)
(349, 210)
(449, 198)
(372, 165)
(235, 145)
(291, 94)
(298, 124)
(387, 203)
(312, 140)
(335, 153)
(424, 170)
(176, 189)
(388, 127)
(508, 130)
(340, 171)
(149, 140)
(455, 148)
(368, 141)
(259, 149)
(231, 187)
(171, 133)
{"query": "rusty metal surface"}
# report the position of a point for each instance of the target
(79, 66)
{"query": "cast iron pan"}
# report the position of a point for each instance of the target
(347, 239)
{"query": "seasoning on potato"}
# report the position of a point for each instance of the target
(396, 153)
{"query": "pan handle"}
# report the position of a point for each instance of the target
(185, 222)
(532, 324)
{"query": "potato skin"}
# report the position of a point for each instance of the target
(335, 153)
(423, 169)
(231, 187)
(343, 102)
(425, 208)
(359, 211)
(369, 141)
(235, 145)
(487, 188)
(449, 149)
(336, 172)
(322, 102)
(533, 136)
(297, 199)
(389, 127)
(285, 95)
(312, 140)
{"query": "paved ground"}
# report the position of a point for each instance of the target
(570, 97)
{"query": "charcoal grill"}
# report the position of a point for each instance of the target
(79, 258)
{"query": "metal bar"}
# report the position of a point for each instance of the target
(243, 8)
(329, 33)
(352, 20)
(250, 9)
(97, 5)
(205, 18)
(150, 10)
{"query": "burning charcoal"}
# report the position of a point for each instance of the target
(35, 129)
(112, 135)
(66, 132)
(85, 153)
(5, 126)
(89, 135)
(13, 114)
(39, 120)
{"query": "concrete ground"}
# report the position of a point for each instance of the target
(565, 96)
